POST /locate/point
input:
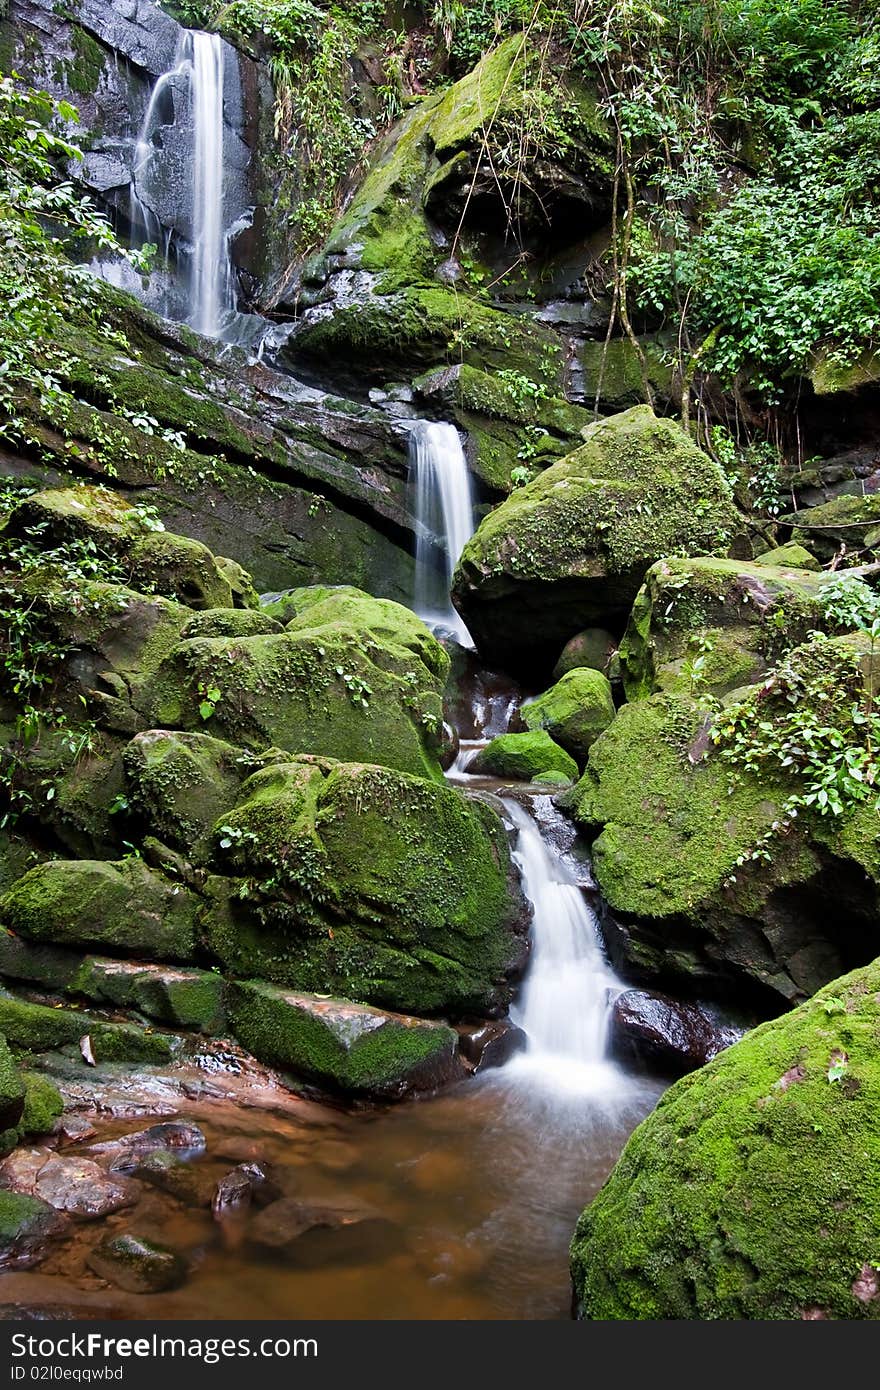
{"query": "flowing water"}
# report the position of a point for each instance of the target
(444, 516)
(189, 94)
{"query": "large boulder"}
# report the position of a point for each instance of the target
(369, 884)
(149, 559)
(342, 1046)
(127, 908)
(574, 712)
(706, 880)
(179, 783)
(710, 626)
(751, 1192)
(570, 550)
(349, 677)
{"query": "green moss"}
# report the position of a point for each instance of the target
(185, 998)
(575, 711)
(370, 884)
(339, 1045)
(522, 757)
(42, 1104)
(614, 373)
(23, 1221)
(89, 60)
(570, 548)
(708, 626)
(753, 1191)
(789, 556)
(178, 784)
(828, 376)
(230, 622)
(37, 1028)
(353, 678)
(12, 1091)
(126, 907)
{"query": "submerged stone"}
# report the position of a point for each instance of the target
(137, 1265)
(27, 1225)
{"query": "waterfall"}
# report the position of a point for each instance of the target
(198, 67)
(565, 1007)
(211, 286)
(444, 511)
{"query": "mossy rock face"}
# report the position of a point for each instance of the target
(155, 561)
(789, 556)
(136, 1264)
(351, 677)
(435, 191)
(342, 1046)
(524, 757)
(595, 647)
(613, 373)
(126, 907)
(39, 1028)
(178, 784)
(369, 884)
(230, 622)
(752, 1190)
(850, 521)
(707, 626)
(115, 639)
(12, 1091)
(670, 824)
(570, 549)
(177, 996)
(575, 711)
(43, 1104)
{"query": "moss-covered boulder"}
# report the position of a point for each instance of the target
(574, 712)
(789, 556)
(11, 1089)
(853, 522)
(341, 1046)
(708, 626)
(350, 677)
(179, 783)
(524, 758)
(26, 1227)
(174, 995)
(369, 884)
(570, 549)
(152, 560)
(751, 1191)
(594, 647)
(705, 878)
(125, 907)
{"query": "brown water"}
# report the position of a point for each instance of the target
(474, 1195)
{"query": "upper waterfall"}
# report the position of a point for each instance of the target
(444, 511)
(190, 95)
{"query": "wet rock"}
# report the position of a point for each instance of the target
(344, 1046)
(26, 1224)
(490, 1044)
(245, 1185)
(137, 1265)
(173, 1136)
(666, 1035)
(594, 648)
(76, 1186)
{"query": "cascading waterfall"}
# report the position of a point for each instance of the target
(444, 511)
(565, 1007)
(199, 64)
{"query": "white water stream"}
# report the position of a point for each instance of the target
(199, 63)
(444, 512)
